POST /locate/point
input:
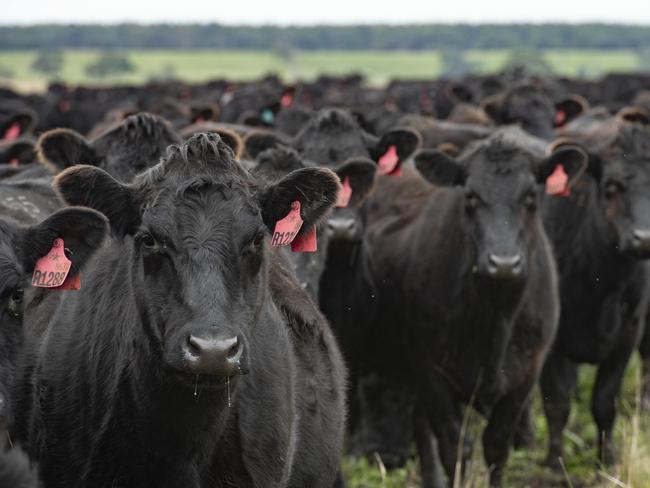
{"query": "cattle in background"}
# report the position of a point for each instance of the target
(467, 301)
(600, 235)
(129, 147)
(221, 368)
(336, 275)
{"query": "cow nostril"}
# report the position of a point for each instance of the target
(233, 351)
(193, 345)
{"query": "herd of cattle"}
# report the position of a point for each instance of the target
(215, 285)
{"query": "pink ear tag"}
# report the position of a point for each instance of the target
(306, 242)
(388, 161)
(199, 119)
(52, 269)
(286, 100)
(560, 118)
(558, 182)
(12, 132)
(287, 228)
(345, 194)
(14, 163)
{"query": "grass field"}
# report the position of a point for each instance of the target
(525, 470)
(378, 66)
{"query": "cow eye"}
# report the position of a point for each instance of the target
(471, 201)
(14, 307)
(259, 238)
(148, 241)
(612, 188)
(530, 200)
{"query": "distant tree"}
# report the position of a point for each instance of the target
(454, 63)
(49, 62)
(167, 73)
(110, 64)
(529, 60)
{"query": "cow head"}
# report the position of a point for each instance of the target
(500, 180)
(82, 231)
(199, 227)
(622, 173)
(526, 106)
(129, 147)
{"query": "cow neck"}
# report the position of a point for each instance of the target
(585, 244)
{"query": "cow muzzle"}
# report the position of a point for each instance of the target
(213, 356)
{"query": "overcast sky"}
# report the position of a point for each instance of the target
(285, 12)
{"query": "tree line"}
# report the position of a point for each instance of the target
(372, 37)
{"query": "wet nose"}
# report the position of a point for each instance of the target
(213, 356)
(504, 266)
(342, 228)
(641, 240)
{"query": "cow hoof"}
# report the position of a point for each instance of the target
(553, 462)
(608, 456)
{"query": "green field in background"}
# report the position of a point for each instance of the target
(378, 66)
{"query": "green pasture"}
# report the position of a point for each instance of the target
(377, 66)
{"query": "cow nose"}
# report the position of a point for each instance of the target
(213, 356)
(342, 228)
(504, 266)
(641, 240)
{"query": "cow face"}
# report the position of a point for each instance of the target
(526, 106)
(623, 175)
(124, 150)
(500, 180)
(199, 228)
(82, 231)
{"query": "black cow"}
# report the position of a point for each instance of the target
(336, 275)
(467, 301)
(23, 240)
(191, 355)
(599, 234)
(135, 144)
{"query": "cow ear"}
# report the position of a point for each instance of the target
(95, 188)
(61, 148)
(21, 150)
(571, 157)
(275, 163)
(232, 140)
(569, 109)
(406, 142)
(492, 106)
(82, 230)
(634, 115)
(360, 173)
(439, 168)
(259, 141)
(315, 188)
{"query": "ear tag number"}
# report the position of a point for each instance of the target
(287, 228)
(558, 182)
(306, 242)
(345, 194)
(388, 162)
(52, 269)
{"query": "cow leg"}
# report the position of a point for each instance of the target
(500, 430)
(558, 381)
(525, 433)
(603, 400)
(427, 451)
(644, 349)
(445, 416)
